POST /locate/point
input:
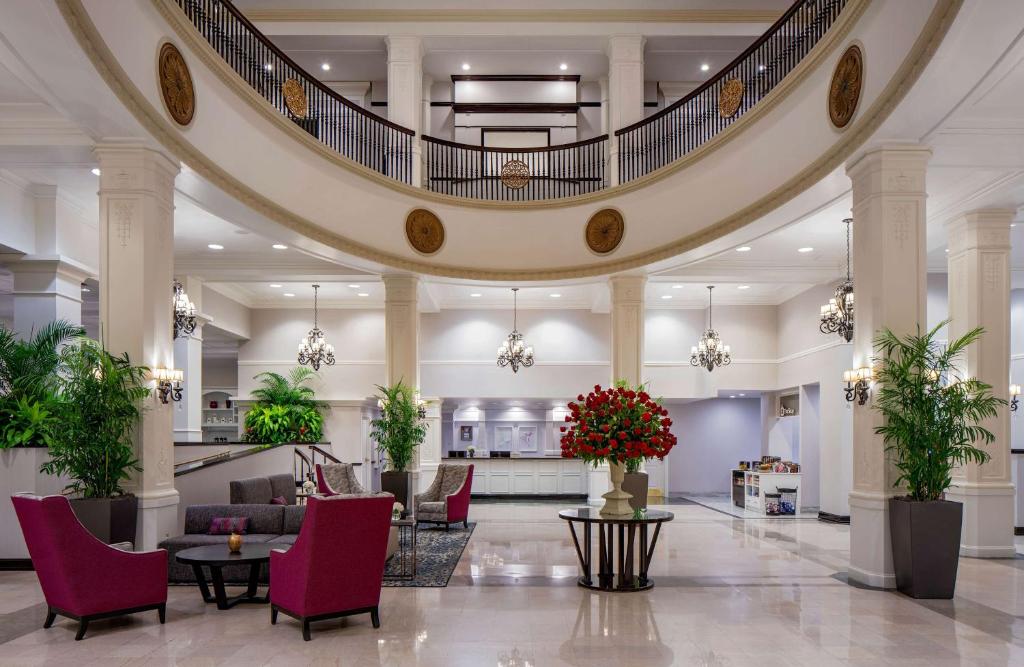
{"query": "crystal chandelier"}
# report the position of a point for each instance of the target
(313, 349)
(837, 314)
(184, 312)
(710, 351)
(513, 351)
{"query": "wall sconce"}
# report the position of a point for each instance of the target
(168, 383)
(1014, 393)
(857, 384)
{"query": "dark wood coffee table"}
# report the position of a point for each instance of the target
(215, 557)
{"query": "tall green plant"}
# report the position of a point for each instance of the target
(100, 408)
(399, 430)
(932, 414)
(286, 409)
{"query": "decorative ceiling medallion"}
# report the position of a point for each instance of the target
(844, 93)
(730, 98)
(515, 174)
(176, 84)
(424, 231)
(294, 97)
(604, 231)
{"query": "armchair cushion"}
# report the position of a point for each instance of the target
(338, 478)
(432, 508)
(283, 486)
(252, 491)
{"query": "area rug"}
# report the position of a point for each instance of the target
(437, 553)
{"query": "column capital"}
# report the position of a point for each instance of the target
(136, 169)
(60, 265)
(627, 288)
(891, 167)
(404, 48)
(400, 287)
(986, 229)
(625, 48)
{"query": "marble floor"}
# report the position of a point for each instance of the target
(729, 592)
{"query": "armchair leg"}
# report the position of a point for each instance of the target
(83, 625)
(162, 610)
(447, 526)
(305, 630)
(273, 615)
(375, 617)
(51, 615)
(465, 524)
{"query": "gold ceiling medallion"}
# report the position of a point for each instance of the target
(294, 97)
(176, 84)
(424, 231)
(515, 174)
(730, 98)
(604, 231)
(844, 92)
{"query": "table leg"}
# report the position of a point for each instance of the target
(217, 575)
(603, 561)
(204, 589)
(643, 555)
(628, 570)
(622, 555)
(587, 555)
(254, 580)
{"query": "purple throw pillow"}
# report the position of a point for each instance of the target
(278, 500)
(225, 525)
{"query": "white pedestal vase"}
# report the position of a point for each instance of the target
(616, 501)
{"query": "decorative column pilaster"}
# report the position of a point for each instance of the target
(405, 91)
(188, 356)
(625, 90)
(136, 200)
(890, 272)
(46, 289)
(979, 295)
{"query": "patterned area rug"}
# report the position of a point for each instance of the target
(437, 554)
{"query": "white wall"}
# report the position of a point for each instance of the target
(938, 300)
(227, 314)
(220, 373)
(714, 436)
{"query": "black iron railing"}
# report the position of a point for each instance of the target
(678, 129)
(514, 174)
(356, 133)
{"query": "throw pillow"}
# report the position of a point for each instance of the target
(225, 525)
(278, 500)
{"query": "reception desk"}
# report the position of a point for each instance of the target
(528, 476)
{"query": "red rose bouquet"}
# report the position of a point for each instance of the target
(617, 424)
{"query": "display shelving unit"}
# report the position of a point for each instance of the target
(757, 483)
(219, 422)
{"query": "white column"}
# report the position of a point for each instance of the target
(136, 271)
(428, 83)
(405, 90)
(625, 90)
(46, 289)
(890, 272)
(979, 295)
(188, 356)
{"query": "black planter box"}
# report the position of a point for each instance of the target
(925, 546)
(111, 520)
(397, 484)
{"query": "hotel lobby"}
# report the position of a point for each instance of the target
(522, 334)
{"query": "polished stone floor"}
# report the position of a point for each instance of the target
(729, 592)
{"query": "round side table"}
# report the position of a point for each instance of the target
(624, 551)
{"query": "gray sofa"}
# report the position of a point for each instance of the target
(260, 490)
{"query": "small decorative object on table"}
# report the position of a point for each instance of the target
(309, 487)
(396, 511)
(213, 405)
(234, 543)
(472, 451)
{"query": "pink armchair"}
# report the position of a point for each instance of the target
(446, 500)
(336, 565)
(82, 578)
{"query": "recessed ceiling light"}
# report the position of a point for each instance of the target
(475, 294)
(704, 67)
(555, 296)
(947, 249)
(1012, 224)
(732, 396)
(743, 287)
(85, 289)
(465, 67)
(363, 294)
(805, 249)
(677, 287)
(96, 172)
(354, 286)
(742, 395)
(666, 296)
(563, 67)
(274, 285)
(289, 294)
(214, 246)
(325, 67)
(743, 248)
(279, 246)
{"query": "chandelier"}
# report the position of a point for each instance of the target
(184, 312)
(513, 351)
(837, 314)
(314, 350)
(710, 351)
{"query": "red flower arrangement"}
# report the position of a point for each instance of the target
(619, 423)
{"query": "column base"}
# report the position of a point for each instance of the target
(870, 543)
(188, 435)
(158, 518)
(988, 519)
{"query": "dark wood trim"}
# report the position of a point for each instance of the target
(378, 103)
(516, 77)
(516, 107)
(485, 130)
(828, 517)
(650, 105)
(16, 565)
(442, 104)
(474, 147)
(591, 104)
(1018, 530)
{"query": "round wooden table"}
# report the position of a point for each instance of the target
(215, 557)
(624, 551)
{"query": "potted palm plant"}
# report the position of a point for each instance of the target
(101, 402)
(932, 422)
(398, 431)
(286, 409)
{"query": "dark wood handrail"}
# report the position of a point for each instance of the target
(512, 149)
(326, 455)
(717, 78)
(310, 79)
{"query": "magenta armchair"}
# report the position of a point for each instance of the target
(82, 578)
(446, 500)
(336, 565)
